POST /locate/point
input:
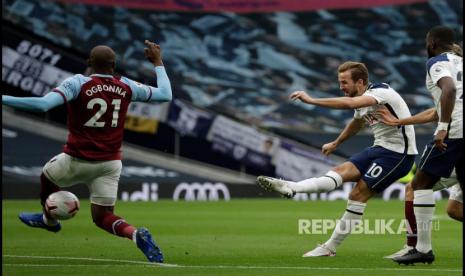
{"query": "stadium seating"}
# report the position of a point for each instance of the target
(245, 65)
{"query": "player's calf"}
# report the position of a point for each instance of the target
(455, 210)
(114, 225)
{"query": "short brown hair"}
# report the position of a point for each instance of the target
(358, 70)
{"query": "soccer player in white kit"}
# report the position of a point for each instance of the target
(373, 169)
(444, 153)
(455, 203)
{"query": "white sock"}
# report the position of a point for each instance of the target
(330, 181)
(353, 215)
(49, 222)
(134, 239)
(423, 207)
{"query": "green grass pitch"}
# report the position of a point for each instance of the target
(247, 237)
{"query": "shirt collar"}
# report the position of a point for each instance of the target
(101, 76)
(370, 85)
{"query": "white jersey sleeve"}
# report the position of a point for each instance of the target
(147, 93)
(439, 70)
(71, 87)
(447, 65)
(381, 96)
(397, 139)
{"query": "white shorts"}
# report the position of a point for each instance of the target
(101, 177)
(456, 193)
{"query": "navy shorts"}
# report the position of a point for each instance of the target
(441, 163)
(381, 167)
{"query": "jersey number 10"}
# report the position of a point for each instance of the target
(93, 122)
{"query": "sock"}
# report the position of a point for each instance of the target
(49, 221)
(423, 206)
(116, 225)
(325, 183)
(134, 236)
(411, 224)
(46, 188)
(353, 215)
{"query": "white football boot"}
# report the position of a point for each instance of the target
(320, 251)
(277, 185)
(400, 253)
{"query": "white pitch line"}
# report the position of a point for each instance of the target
(69, 265)
(219, 266)
(89, 259)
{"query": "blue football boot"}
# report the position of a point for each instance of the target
(36, 220)
(148, 246)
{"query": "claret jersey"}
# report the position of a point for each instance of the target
(97, 107)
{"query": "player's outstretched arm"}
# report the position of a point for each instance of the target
(338, 103)
(163, 92)
(36, 104)
(423, 117)
(146, 93)
(350, 130)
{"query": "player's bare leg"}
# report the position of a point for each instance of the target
(356, 204)
(455, 209)
(104, 218)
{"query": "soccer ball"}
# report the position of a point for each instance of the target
(62, 205)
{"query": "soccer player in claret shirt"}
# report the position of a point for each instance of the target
(445, 152)
(373, 169)
(97, 106)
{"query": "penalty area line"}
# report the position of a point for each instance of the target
(214, 266)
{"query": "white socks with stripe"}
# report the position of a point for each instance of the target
(352, 216)
(423, 207)
(330, 181)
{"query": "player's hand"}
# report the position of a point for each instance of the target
(384, 115)
(153, 53)
(328, 148)
(439, 140)
(301, 95)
